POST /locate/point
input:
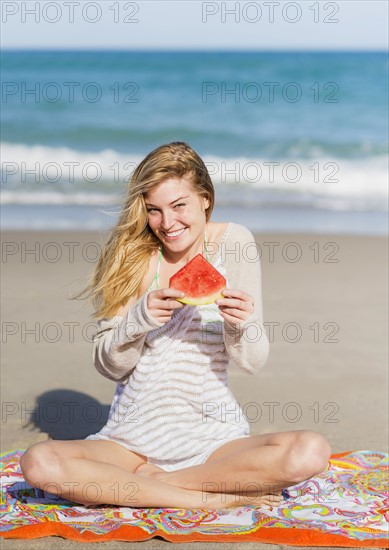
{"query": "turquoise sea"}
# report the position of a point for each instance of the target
(293, 141)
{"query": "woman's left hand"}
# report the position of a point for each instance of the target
(237, 306)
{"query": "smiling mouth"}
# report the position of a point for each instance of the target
(174, 234)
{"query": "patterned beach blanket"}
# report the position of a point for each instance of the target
(347, 505)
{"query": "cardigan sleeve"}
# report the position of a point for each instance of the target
(119, 341)
(246, 343)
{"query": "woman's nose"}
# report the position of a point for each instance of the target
(167, 220)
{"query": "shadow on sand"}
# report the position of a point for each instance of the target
(68, 414)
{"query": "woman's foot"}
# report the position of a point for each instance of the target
(228, 500)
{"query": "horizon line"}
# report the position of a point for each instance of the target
(187, 50)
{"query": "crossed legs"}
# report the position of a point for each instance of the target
(242, 472)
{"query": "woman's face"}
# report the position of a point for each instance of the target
(176, 213)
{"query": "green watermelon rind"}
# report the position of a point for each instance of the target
(192, 301)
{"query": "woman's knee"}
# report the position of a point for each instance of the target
(40, 463)
(308, 456)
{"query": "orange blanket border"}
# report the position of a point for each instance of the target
(275, 535)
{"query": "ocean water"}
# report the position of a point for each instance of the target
(293, 141)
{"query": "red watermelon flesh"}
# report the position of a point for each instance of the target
(200, 281)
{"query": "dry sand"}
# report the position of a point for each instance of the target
(332, 379)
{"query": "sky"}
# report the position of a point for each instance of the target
(195, 25)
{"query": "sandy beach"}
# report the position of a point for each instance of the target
(325, 308)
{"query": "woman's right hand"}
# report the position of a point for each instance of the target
(161, 303)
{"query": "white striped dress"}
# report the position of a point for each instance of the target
(172, 399)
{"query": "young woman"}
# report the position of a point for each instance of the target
(176, 436)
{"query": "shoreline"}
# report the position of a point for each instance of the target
(267, 219)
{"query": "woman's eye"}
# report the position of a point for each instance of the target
(151, 210)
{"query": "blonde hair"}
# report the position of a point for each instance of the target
(125, 257)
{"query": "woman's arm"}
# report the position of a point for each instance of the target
(119, 341)
(246, 341)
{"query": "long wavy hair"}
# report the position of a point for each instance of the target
(125, 257)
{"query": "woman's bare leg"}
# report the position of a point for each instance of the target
(67, 469)
(239, 498)
(267, 464)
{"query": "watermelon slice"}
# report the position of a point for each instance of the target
(200, 281)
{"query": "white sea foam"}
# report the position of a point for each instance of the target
(43, 175)
(54, 197)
